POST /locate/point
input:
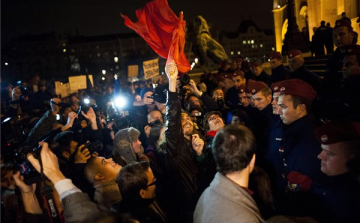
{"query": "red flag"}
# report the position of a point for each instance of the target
(164, 32)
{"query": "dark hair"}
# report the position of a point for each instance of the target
(233, 148)
(297, 100)
(242, 116)
(132, 178)
(207, 116)
(155, 133)
(217, 88)
(188, 98)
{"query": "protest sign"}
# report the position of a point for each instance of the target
(151, 68)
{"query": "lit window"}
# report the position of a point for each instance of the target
(238, 52)
(64, 50)
(244, 41)
(261, 46)
(252, 41)
(272, 48)
(248, 41)
(232, 52)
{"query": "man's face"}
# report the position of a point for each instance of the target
(261, 101)
(233, 65)
(250, 99)
(333, 159)
(215, 122)
(351, 66)
(274, 63)
(243, 99)
(274, 103)
(149, 192)
(136, 145)
(257, 70)
(295, 62)
(194, 101)
(239, 81)
(238, 63)
(155, 116)
(107, 168)
(287, 112)
(228, 83)
(218, 93)
(342, 37)
(194, 115)
(186, 124)
(74, 100)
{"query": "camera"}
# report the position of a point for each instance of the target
(159, 94)
(220, 101)
(96, 146)
(184, 80)
(24, 166)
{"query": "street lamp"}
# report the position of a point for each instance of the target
(116, 59)
(103, 72)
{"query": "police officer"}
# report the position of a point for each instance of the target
(278, 71)
(299, 146)
(299, 71)
(336, 191)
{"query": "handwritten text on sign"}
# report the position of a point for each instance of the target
(151, 68)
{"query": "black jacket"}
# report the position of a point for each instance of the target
(309, 77)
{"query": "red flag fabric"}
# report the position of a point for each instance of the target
(164, 32)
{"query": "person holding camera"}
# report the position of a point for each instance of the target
(48, 122)
(76, 205)
(198, 98)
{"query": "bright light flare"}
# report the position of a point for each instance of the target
(120, 102)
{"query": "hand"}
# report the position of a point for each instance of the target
(50, 163)
(110, 125)
(82, 155)
(16, 93)
(24, 188)
(71, 117)
(171, 70)
(148, 101)
(194, 88)
(147, 130)
(53, 104)
(90, 115)
(161, 107)
(197, 144)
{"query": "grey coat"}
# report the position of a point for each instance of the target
(225, 201)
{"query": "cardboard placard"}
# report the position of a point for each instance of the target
(77, 82)
(151, 68)
(62, 89)
(133, 70)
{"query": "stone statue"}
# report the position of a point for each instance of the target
(203, 45)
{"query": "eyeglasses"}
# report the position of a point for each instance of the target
(212, 118)
(153, 183)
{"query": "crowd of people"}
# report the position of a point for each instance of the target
(238, 146)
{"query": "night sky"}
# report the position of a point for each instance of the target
(101, 17)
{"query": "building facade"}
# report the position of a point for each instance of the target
(309, 14)
(249, 41)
